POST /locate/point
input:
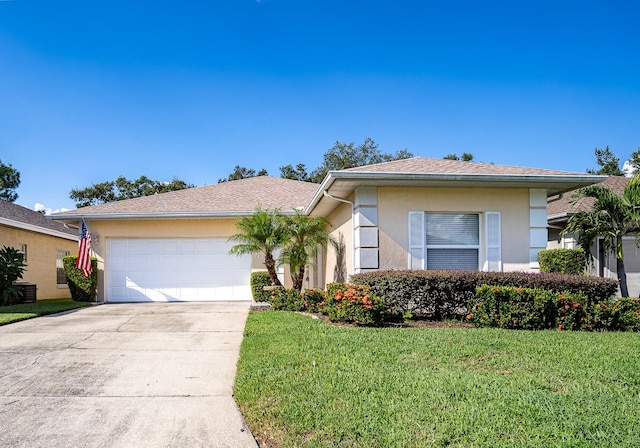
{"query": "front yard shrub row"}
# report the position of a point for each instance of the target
(258, 281)
(341, 303)
(82, 289)
(539, 309)
(446, 294)
(564, 261)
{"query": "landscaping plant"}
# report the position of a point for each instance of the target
(12, 267)
(82, 289)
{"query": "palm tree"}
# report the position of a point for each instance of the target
(307, 235)
(263, 232)
(613, 216)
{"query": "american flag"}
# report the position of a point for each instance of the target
(84, 251)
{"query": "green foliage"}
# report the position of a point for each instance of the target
(354, 304)
(122, 188)
(311, 300)
(11, 269)
(241, 172)
(263, 232)
(527, 309)
(83, 289)
(306, 235)
(9, 182)
(465, 157)
(564, 261)
(622, 314)
(608, 162)
(349, 155)
(446, 294)
(258, 281)
(299, 172)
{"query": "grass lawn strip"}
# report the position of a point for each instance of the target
(302, 382)
(16, 313)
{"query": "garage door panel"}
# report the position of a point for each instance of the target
(175, 270)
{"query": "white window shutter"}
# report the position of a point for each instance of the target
(417, 239)
(494, 239)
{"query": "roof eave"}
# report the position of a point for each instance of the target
(156, 215)
(38, 229)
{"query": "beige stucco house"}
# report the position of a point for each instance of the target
(44, 244)
(417, 213)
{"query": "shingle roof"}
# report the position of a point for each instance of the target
(424, 165)
(562, 207)
(234, 197)
(14, 212)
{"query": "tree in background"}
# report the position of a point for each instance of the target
(9, 182)
(306, 236)
(297, 173)
(349, 155)
(465, 157)
(261, 233)
(613, 216)
(122, 188)
(608, 162)
(241, 172)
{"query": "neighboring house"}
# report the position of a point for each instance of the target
(560, 208)
(44, 244)
(416, 213)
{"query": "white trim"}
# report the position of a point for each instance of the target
(498, 245)
(419, 247)
(38, 229)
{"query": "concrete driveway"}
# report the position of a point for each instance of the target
(124, 375)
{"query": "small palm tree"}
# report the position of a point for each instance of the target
(261, 233)
(613, 217)
(307, 235)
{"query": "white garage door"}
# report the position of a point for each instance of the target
(175, 269)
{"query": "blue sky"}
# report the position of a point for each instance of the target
(90, 91)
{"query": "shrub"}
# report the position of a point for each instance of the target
(11, 269)
(83, 289)
(527, 309)
(314, 300)
(564, 261)
(354, 304)
(311, 300)
(625, 314)
(446, 294)
(258, 281)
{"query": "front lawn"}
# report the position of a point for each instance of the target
(302, 382)
(16, 313)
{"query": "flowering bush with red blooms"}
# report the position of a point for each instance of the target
(526, 309)
(623, 314)
(314, 300)
(354, 304)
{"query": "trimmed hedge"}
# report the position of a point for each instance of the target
(564, 261)
(258, 281)
(354, 304)
(527, 309)
(311, 300)
(83, 289)
(447, 294)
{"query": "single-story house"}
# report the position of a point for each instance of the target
(43, 242)
(561, 207)
(415, 213)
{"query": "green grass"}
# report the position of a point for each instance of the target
(301, 382)
(16, 313)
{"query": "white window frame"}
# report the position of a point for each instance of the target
(60, 265)
(476, 247)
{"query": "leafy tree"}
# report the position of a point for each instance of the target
(261, 233)
(613, 217)
(608, 162)
(634, 163)
(9, 182)
(297, 173)
(241, 172)
(465, 157)
(349, 155)
(122, 188)
(307, 234)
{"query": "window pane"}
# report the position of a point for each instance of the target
(452, 229)
(61, 278)
(452, 259)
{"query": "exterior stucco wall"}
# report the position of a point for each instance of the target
(394, 204)
(41, 259)
(342, 223)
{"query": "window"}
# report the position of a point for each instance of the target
(61, 278)
(23, 251)
(453, 241)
